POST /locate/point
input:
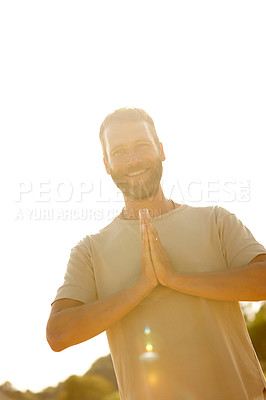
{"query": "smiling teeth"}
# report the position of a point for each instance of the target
(137, 173)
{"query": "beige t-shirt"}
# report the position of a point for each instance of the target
(173, 346)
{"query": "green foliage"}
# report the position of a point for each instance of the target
(93, 387)
(90, 386)
(112, 396)
(257, 331)
(99, 383)
(104, 367)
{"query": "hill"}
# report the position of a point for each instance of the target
(98, 383)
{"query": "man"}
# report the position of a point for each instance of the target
(164, 281)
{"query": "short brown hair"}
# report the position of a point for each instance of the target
(127, 114)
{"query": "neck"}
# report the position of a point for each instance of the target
(157, 205)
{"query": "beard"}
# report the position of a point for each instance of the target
(142, 188)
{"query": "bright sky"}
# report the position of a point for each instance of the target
(197, 67)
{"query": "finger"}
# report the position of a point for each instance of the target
(142, 215)
(147, 215)
(156, 248)
(148, 228)
(143, 218)
(154, 242)
(144, 234)
(142, 223)
(152, 232)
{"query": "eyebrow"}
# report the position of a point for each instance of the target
(115, 149)
(136, 142)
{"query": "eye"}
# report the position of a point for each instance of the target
(118, 152)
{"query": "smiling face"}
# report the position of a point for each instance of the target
(133, 158)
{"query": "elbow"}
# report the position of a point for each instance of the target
(54, 340)
(55, 346)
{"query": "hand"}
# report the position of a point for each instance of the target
(147, 267)
(157, 254)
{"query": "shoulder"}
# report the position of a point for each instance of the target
(213, 216)
(83, 245)
(86, 244)
(81, 252)
(212, 212)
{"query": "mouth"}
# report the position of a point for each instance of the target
(137, 173)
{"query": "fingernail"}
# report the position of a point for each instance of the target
(147, 212)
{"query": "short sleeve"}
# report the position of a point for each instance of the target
(238, 244)
(79, 283)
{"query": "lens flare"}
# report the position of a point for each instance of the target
(149, 347)
(152, 379)
(149, 356)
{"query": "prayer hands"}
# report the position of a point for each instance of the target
(155, 263)
(147, 267)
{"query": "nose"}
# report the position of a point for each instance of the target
(133, 157)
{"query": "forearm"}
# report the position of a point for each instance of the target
(243, 284)
(74, 325)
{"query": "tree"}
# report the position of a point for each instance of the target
(257, 331)
(93, 387)
(112, 396)
(104, 367)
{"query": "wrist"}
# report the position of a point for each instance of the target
(168, 277)
(146, 285)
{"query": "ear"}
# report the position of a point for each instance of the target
(106, 166)
(162, 152)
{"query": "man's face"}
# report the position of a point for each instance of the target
(134, 159)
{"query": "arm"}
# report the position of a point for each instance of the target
(72, 322)
(242, 284)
